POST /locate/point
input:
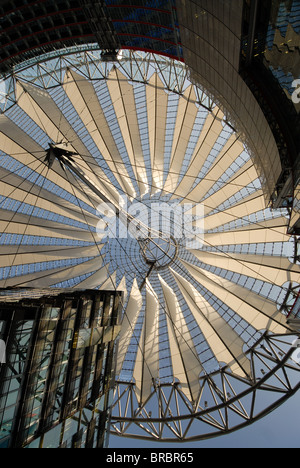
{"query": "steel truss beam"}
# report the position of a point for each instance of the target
(225, 403)
(48, 71)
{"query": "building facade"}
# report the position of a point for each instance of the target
(56, 381)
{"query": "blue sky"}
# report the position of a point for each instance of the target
(280, 429)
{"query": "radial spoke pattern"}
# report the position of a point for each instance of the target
(196, 305)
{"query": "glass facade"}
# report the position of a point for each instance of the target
(270, 65)
(151, 25)
(282, 44)
(276, 40)
(55, 386)
(31, 29)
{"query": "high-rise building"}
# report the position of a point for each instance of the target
(57, 379)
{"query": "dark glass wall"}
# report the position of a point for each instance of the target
(58, 375)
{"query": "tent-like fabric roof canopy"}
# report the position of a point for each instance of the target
(200, 295)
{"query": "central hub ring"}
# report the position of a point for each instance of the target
(159, 251)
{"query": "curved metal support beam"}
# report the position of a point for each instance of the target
(226, 402)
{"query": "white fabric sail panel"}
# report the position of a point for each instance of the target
(121, 93)
(18, 223)
(44, 201)
(29, 254)
(39, 105)
(225, 343)
(186, 365)
(223, 190)
(146, 369)
(123, 99)
(272, 269)
(262, 304)
(130, 318)
(48, 278)
(92, 171)
(73, 272)
(227, 156)
(186, 116)
(95, 280)
(244, 177)
(16, 143)
(83, 97)
(28, 192)
(99, 181)
(245, 207)
(25, 219)
(259, 320)
(41, 108)
(239, 206)
(157, 106)
(41, 230)
(209, 134)
(274, 230)
(39, 249)
(110, 284)
(123, 288)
